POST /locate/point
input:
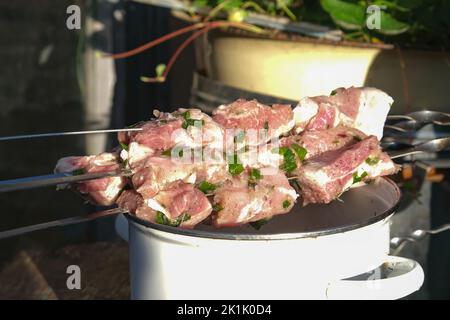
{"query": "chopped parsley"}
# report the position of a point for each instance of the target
(258, 224)
(266, 125)
(335, 141)
(252, 184)
(333, 93)
(255, 174)
(168, 152)
(357, 138)
(191, 122)
(289, 162)
(372, 161)
(357, 178)
(78, 172)
(217, 207)
(124, 146)
(234, 167)
(300, 151)
(206, 187)
(162, 219)
(286, 204)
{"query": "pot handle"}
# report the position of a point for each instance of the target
(394, 279)
(121, 225)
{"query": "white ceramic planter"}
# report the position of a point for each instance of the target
(301, 255)
(294, 69)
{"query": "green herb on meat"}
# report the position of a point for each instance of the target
(124, 146)
(191, 122)
(266, 125)
(255, 174)
(168, 152)
(333, 93)
(286, 204)
(206, 187)
(162, 219)
(372, 161)
(357, 178)
(289, 162)
(234, 167)
(300, 151)
(217, 207)
(258, 224)
(78, 172)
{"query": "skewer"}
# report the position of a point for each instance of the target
(432, 146)
(59, 223)
(69, 133)
(56, 179)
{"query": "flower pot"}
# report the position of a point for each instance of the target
(293, 68)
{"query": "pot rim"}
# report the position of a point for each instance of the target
(277, 236)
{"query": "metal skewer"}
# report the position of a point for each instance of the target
(70, 133)
(397, 243)
(59, 223)
(56, 179)
(431, 146)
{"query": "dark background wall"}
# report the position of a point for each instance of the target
(40, 92)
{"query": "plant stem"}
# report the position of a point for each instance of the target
(254, 5)
(286, 10)
(208, 27)
(154, 42)
(216, 10)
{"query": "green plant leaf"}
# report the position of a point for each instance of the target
(200, 3)
(390, 25)
(347, 15)
(160, 70)
(232, 4)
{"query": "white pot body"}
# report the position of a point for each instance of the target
(170, 266)
(301, 255)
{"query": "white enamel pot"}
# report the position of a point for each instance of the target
(338, 251)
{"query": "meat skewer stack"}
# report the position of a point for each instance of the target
(246, 163)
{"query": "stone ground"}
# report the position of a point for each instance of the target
(41, 273)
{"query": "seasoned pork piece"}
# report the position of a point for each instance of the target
(364, 108)
(180, 205)
(249, 115)
(133, 202)
(102, 191)
(201, 129)
(324, 177)
(318, 141)
(158, 172)
(155, 134)
(251, 197)
(183, 128)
